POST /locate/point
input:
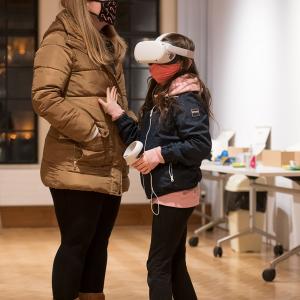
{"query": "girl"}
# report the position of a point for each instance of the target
(80, 56)
(174, 128)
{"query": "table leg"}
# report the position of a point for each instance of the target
(193, 241)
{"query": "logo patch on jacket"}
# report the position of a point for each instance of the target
(195, 112)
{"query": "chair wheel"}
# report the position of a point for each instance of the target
(269, 275)
(278, 250)
(218, 251)
(193, 241)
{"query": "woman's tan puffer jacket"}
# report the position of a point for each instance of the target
(65, 91)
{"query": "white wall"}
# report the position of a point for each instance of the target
(292, 74)
(253, 71)
(245, 65)
(192, 21)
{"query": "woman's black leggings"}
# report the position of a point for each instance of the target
(85, 220)
(168, 277)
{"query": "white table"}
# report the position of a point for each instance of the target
(219, 173)
(249, 172)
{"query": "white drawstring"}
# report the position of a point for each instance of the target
(153, 194)
(151, 180)
(171, 172)
(143, 180)
(150, 124)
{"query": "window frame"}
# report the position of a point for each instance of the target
(7, 33)
(135, 35)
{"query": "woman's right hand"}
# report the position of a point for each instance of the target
(111, 106)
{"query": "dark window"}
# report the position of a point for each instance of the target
(137, 20)
(18, 43)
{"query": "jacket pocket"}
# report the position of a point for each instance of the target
(59, 151)
(100, 142)
(94, 157)
(91, 162)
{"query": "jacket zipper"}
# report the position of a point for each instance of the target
(171, 172)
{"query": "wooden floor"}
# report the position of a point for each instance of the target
(26, 257)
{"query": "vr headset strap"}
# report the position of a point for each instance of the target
(180, 51)
(174, 49)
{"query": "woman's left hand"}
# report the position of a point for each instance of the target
(149, 161)
(111, 106)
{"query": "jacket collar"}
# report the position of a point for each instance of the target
(64, 22)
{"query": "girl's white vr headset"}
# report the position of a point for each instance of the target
(159, 52)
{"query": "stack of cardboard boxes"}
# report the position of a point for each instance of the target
(270, 158)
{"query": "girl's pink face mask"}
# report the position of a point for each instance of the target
(162, 73)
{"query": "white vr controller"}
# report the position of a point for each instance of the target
(133, 151)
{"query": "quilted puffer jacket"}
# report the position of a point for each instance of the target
(65, 91)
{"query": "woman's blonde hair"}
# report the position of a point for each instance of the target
(96, 46)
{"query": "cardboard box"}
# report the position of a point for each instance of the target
(275, 158)
(259, 156)
(297, 158)
(238, 221)
(234, 151)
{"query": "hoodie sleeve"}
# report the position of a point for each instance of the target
(128, 129)
(192, 125)
(52, 70)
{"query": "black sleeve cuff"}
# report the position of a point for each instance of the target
(166, 154)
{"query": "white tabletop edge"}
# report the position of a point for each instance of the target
(257, 172)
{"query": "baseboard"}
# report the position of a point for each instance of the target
(44, 216)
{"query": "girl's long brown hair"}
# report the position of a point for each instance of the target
(158, 94)
(96, 46)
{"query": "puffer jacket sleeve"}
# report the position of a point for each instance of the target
(121, 83)
(52, 70)
(192, 125)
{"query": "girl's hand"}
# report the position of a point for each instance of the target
(111, 106)
(149, 161)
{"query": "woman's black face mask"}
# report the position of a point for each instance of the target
(108, 13)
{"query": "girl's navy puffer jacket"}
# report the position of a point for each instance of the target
(185, 142)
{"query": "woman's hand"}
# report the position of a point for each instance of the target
(149, 161)
(111, 106)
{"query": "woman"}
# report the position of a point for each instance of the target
(80, 56)
(174, 129)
